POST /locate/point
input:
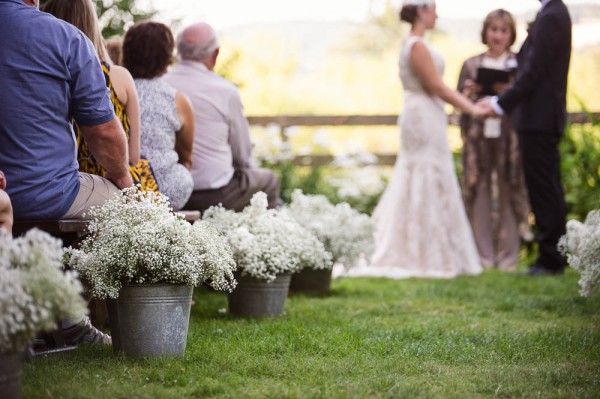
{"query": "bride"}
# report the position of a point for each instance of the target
(421, 225)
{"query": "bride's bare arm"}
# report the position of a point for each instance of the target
(422, 63)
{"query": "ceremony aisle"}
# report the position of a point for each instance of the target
(495, 335)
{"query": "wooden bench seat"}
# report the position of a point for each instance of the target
(72, 229)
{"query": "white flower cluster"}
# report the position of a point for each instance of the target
(35, 292)
(136, 238)
(267, 242)
(355, 159)
(345, 232)
(269, 147)
(358, 182)
(581, 245)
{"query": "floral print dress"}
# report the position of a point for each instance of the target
(159, 126)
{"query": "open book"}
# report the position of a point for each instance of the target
(487, 77)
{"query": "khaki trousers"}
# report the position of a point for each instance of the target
(93, 191)
(239, 191)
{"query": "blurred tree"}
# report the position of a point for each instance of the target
(117, 15)
(381, 32)
(229, 63)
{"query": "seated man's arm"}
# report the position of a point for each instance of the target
(108, 145)
(239, 134)
(184, 139)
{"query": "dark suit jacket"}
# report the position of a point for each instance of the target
(537, 98)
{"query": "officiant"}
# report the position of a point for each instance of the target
(492, 181)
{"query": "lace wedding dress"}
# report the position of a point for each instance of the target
(421, 225)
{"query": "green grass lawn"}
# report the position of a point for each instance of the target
(495, 335)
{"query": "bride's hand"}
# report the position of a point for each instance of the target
(483, 108)
(479, 110)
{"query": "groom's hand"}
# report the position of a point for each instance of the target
(485, 107)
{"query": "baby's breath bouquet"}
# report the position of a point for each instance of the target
(135, 238)
(35, 292)
(357, 182)
(267, 242)
(581, 245)
(345, 232)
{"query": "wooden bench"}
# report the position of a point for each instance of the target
(71, 230)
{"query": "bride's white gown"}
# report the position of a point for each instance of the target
(421, 226)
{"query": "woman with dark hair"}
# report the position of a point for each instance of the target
(421, 228)
(491, 156)
(166, 115)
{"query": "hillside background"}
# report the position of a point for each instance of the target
(343, 68)
(351, 68)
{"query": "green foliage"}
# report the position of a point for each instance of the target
(584, 79)
(116, 16)
(263, 64)
(580, 152)
(291, 177)
(317, 180)
(495, 335)
(382, 32)
(229, 62)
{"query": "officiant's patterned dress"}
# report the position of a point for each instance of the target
(421, 225)
(484, 156)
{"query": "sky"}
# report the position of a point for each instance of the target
(224, 14)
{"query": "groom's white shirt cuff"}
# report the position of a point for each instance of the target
(497, 108)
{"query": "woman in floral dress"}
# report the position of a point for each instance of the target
(167, 120)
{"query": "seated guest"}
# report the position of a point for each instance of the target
(50, 75)
(123, 95)
(167, 118)
(114, 46)
(6, 214)
(222, 167)
(56, 78)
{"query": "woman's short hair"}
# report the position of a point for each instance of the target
(506, 17)
(148, 49)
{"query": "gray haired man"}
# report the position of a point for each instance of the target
(222, 160)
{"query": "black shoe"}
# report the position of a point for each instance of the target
(84, 333)
(539, 270)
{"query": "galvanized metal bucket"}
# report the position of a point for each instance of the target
(256, 298)
(311, 281)
(11, 375)
(150, 320)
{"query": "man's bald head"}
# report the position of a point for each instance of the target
(197, 42)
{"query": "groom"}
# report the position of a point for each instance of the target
(536, 103)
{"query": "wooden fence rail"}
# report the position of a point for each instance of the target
(368, 120)
(285, 121)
